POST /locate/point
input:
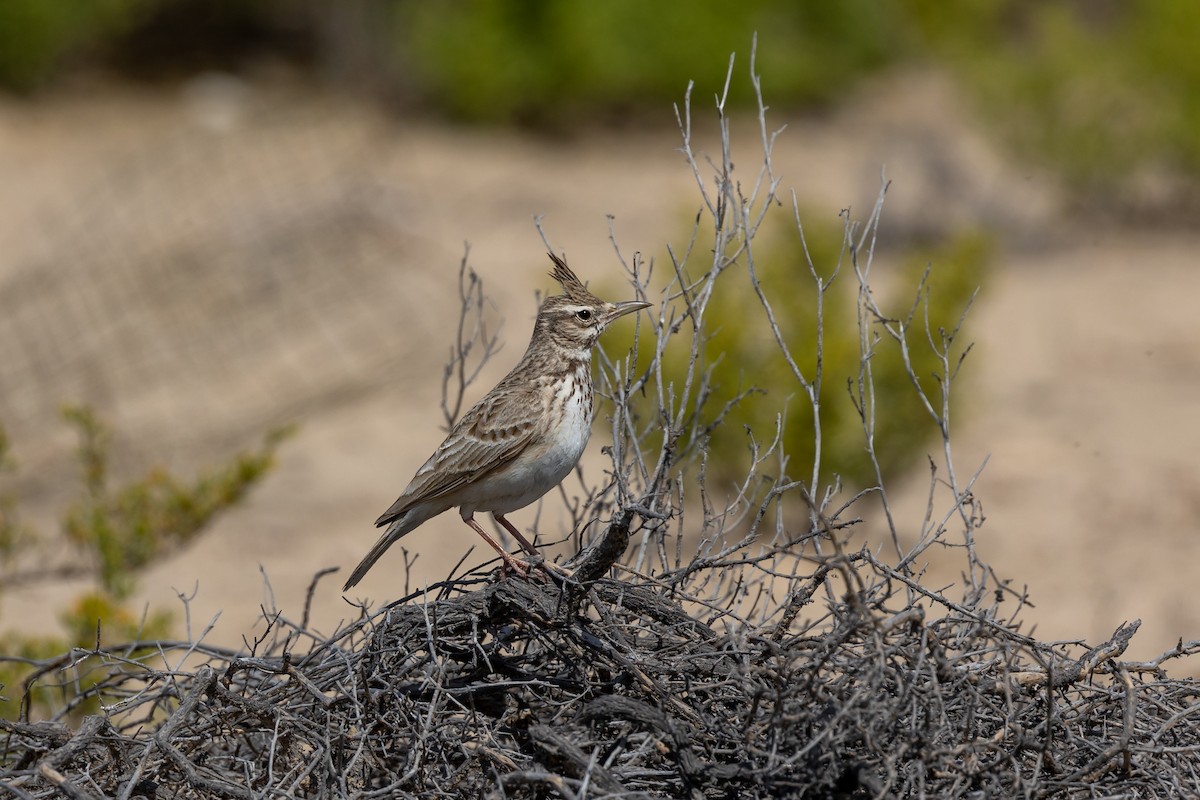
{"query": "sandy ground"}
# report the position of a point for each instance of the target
(1086, 373)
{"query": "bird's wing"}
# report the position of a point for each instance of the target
(492, 434)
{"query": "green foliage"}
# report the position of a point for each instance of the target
(1098, 92)
(126, 529)
(14, 536)
(89, 616)
(96, 612)
(743, 358)
(935, 283)
(559, 61)
(116, 533)
(499, 60)
(37, 35)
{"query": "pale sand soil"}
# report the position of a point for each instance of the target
(1086, 374)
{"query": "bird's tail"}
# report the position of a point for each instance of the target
(401, 526)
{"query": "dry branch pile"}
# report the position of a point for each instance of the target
(628, 688)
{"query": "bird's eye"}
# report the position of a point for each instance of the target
(584, 315)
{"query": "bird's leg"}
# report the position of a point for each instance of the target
(516, 565)
(508, 526)
(561, 572)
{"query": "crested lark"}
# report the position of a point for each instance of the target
(523, 437)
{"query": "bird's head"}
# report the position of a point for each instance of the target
(576, 318)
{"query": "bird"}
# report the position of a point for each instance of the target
(523, 438)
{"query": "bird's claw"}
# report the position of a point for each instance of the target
(547, 570)
(516, 565)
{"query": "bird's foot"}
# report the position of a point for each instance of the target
(510, 564)
(546, 570)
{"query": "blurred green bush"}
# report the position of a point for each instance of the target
(38, 36)
(115, 534)
(558, 61)
(1096, 90)
(544, 62)
(742, 357)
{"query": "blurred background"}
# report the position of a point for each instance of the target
(222, 217)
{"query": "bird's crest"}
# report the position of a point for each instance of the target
(572, 286)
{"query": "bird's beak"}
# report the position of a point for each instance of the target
(627, 307)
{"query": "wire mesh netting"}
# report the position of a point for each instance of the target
(225, 281)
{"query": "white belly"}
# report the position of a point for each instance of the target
(544, 464)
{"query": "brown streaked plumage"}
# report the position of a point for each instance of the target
(523, 437)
